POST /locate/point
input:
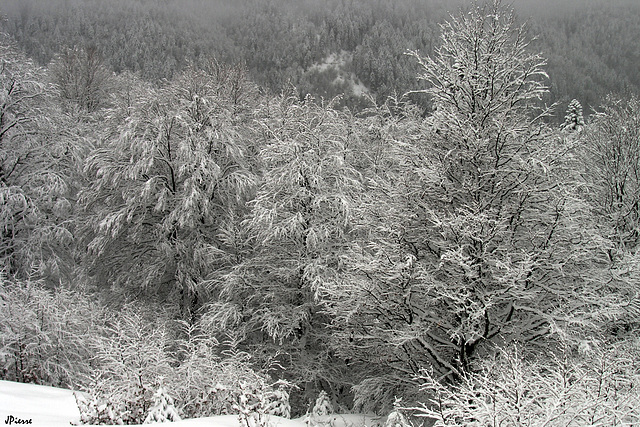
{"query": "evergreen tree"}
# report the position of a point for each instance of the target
(573, 119)
(396, 418)
(320, 414)
(279, 400)
(162, 409)
(322, 405)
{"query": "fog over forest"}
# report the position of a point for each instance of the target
(590, 45)
(338, 213)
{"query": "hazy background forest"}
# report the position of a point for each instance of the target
(423, 208)
(591, 45)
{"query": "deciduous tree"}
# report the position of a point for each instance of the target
(300, 223)
(613, 160)
(82, 78)
(478, 234)
(36, 168)
(168, 184)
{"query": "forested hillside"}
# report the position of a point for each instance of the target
(184, 225)
(591, 46)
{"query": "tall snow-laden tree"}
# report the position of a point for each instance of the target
(36, 162)
(477, 233)
(81, 77)
(19, 88)
(612, 146)
(169, 183)
(300, 223)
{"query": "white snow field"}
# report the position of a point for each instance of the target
(44, 406)
(52, 407)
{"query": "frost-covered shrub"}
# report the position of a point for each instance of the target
(250, 405)
(323, 405)
(131, 359)
(94, 411)
(319, 414)
(591, 385)
(163, 409)
(396, 418)
(278, 400)
(197, 369)
(119, 358)
(142, 349)
(256, 402)
(213, 378)
(45, 336)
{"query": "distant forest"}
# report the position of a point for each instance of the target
(591, 46)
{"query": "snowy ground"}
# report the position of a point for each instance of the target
(44, 406)
(48, 406)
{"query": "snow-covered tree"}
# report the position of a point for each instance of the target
(477, 234)
(396, 418)
(322, 405)
(612, 164)
(168, 185)
(611, 167)
(163, 409)
(483, 70)
(82, 78)
(320, 414)
(573, 119)
(299, 225)
(36, 161)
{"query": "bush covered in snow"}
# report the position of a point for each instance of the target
(118, 358)
(319, 414)
(203, 376)
(591, 384)
(216, 378)
(131, 357)
(46, 336)
(162, 409)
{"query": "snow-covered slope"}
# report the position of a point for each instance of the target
(45, 406)
(49, 406)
